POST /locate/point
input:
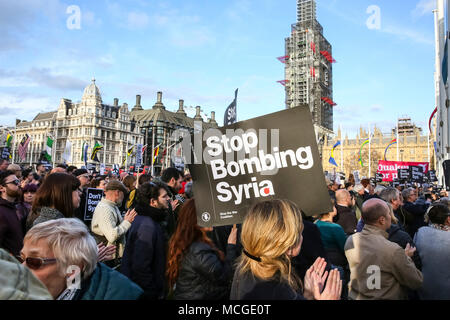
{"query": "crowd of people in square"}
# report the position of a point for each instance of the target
(143, 241)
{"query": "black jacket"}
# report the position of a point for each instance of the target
(402, 238)
(417, 216)
(11, 233)
(79, 212)
(248, 287)
(312, 248)
(144, 257)
(346, 218)
(202, 275)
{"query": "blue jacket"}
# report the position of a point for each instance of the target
(108, 284)
(144, 258)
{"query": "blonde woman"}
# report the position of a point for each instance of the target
(271, 236)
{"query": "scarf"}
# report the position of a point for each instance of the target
(439, 227)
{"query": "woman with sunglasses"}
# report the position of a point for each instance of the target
(63, 256)
(56, 198)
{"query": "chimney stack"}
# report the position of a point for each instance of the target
(159, 104)
(198, 117)
(138, 106)
(116, 102)
(181, 107)
(213, 118)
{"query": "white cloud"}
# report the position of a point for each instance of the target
(24, 107)
(409, 34)
(424, 7)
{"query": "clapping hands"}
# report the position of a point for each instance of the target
(315, 280)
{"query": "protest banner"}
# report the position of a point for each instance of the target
(403, 174)
(389, 169)
(5, 153)
(226, 186)
(378, 177)
(93, 197)
(416, 174)
(432, 176)
(356, 176)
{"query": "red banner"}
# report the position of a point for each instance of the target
(389, 168)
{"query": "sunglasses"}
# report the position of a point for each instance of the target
(16, 182)
(35, 263)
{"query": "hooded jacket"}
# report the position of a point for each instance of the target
(17, 282)
(11, 233)
(144, 258)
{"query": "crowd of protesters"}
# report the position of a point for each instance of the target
(143, 242)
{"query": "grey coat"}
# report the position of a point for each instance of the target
(434, 250)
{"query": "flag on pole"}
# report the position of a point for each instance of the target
(8, 140)
(144, 148)
(130, 151)
(332, 160)
(48, 149)
(360, 161)
(394, 141)
(155, 153)
(67, 155)
(84, 154)
(96, 149)
(231, 112)
(23, 146)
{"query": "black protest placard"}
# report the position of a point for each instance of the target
(404, 174)
(378, 177)
(395, 183)
(432, 176)
(266, 158)
(6, 153)
(93, 197)
(416, 174)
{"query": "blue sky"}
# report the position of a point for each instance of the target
(202, 50)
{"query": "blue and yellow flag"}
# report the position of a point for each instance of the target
(332, 160)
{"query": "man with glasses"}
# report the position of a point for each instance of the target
(83, 176)
(11, 233)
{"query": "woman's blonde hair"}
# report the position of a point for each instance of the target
(269, 231)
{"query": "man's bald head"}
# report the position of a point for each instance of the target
(373, 209)
(343, 197)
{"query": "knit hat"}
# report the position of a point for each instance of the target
(79, 172)
(116, 185)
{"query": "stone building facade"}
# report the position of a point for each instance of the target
(114, 126)
(412, 147)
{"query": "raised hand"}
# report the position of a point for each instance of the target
(130, 215)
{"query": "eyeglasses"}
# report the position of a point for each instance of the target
(36, 263)
(85, 176)
(16, 182)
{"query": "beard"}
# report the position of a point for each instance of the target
(12, 193)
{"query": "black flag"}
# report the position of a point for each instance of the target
(230, 113)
